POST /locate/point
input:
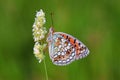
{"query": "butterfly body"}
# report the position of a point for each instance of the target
(64, 48)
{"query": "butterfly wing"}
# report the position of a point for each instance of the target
(64, 49)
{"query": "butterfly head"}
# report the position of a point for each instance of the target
(50, 34)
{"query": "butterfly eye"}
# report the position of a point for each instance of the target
(51, 30)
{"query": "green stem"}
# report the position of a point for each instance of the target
(46, 74)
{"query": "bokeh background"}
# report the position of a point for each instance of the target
(95, 22)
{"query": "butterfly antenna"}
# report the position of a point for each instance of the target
(52, 19)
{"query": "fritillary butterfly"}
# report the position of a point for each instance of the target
(64, 48)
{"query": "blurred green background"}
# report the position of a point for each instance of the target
(95, 22)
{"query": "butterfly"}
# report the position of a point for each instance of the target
(64, 48)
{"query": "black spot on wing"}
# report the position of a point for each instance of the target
(79, 44)
(74, 40)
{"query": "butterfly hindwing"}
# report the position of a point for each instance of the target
(61, 51)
